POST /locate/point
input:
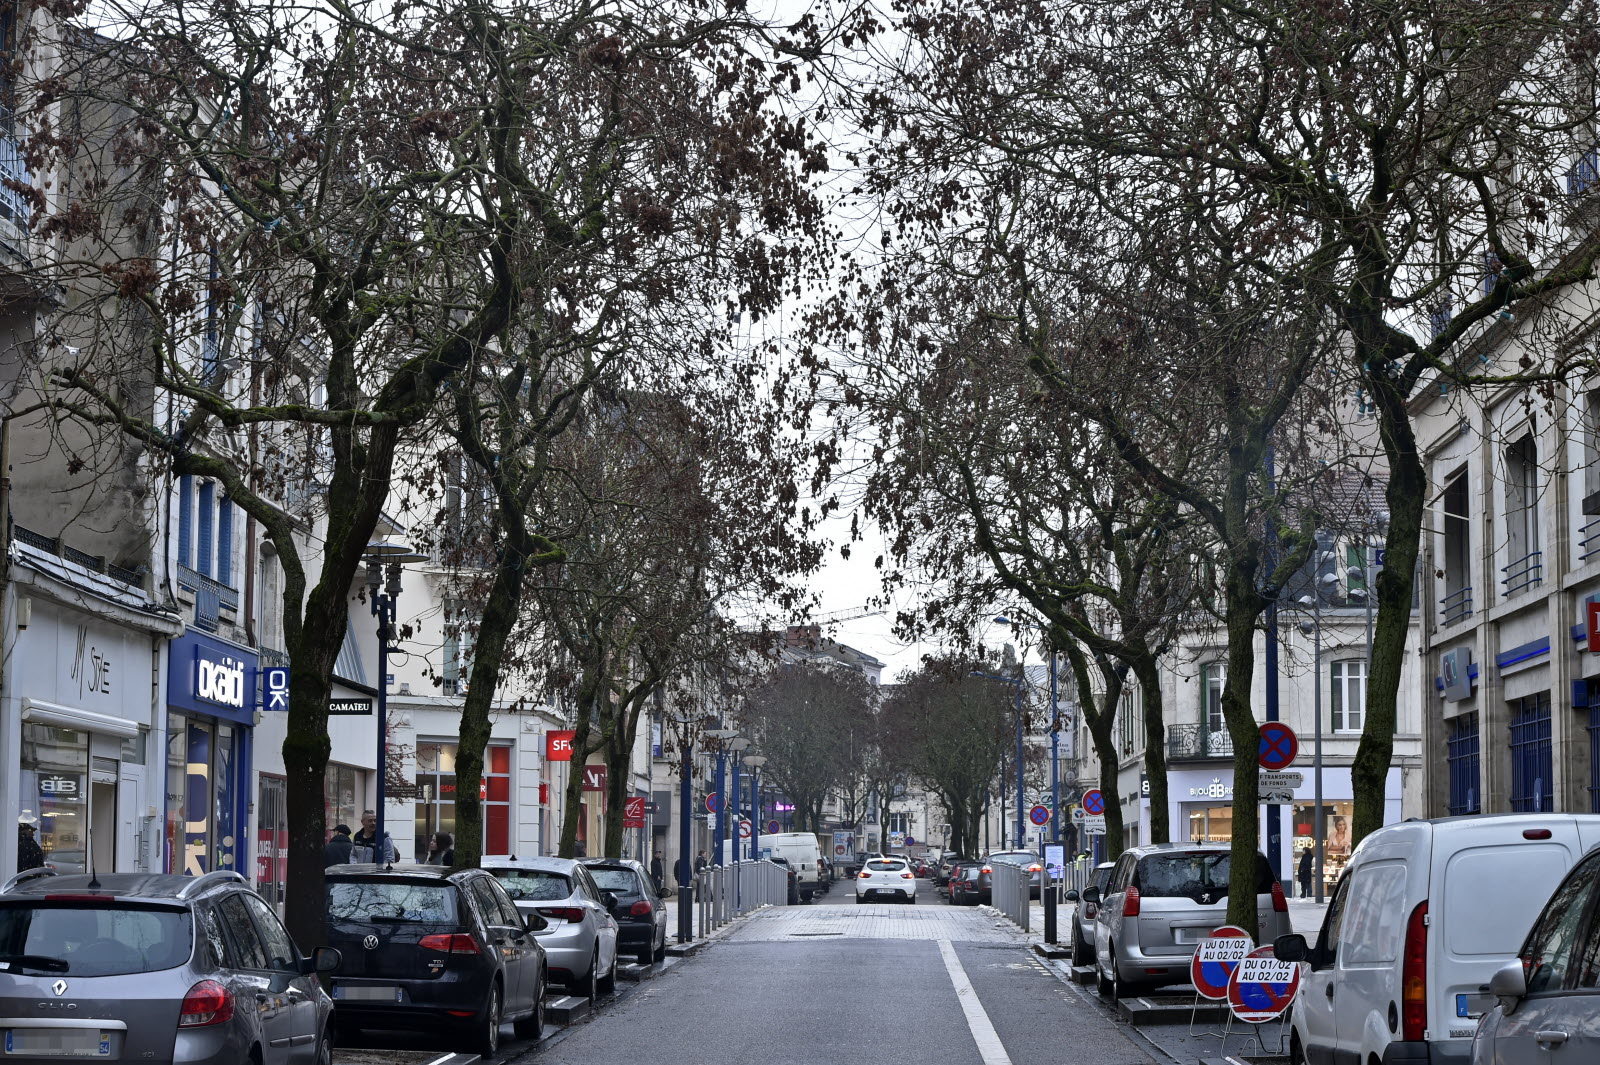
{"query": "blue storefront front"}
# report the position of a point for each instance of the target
(211, 703)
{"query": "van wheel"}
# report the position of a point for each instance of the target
(1297, 1056)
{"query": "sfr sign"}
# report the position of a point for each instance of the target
(558, 745)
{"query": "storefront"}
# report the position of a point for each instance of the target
(210, 725)
(435, 806)
(77, 739)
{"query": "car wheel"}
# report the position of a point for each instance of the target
(646, 956)
(860, 899)
(912, 900)
(1297, 1055)
(1101, 984)
(661, 951)
(1120, 988)
(1081, 954)
(608, 986)
(532, 1027)
(325, 1048)
(486, 1038)
(585, 987)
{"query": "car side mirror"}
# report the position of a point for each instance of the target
(1509, 985)
(1291, 947)
(326, 959)
(1071, 895)
(1090, 894)
(536, 923)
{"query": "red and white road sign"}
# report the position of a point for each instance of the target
(1094, 802)
(745, 828)
(1215, 959)
(1278, 746)
(1262, 987)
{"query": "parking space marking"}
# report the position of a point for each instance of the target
(990, 1049)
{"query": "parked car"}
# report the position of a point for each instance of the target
(1160, 902)
(640, 916)
(425, 949)
(1084, 915)
(966, 883)
(800, 850)
(1546, 997)
(156, 967)
(1424, 917)
(580, 937)
(886, 878)
(1028, 860)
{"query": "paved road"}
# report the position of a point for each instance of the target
(833, 981)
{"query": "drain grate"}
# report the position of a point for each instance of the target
(816, 933)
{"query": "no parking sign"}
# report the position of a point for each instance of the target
(1262, 987)
(1215, 959)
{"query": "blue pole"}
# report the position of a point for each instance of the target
(722, 806)
(1055, 755)
(755, 811)
(685, 843)
(1020, 832)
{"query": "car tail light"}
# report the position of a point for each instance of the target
(1035, 868)
(564, 913)
(1414, 976)
(987, 870)
(1279, 903)
(207, 1002)
(1130, 903)
(642, 908)
(907, 876)
(449, 944)
(866, 875)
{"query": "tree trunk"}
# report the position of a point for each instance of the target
(619, 762)
(1406, 496)
(582, 747)
(500, 613)
(1244, 607)
(1155, 746)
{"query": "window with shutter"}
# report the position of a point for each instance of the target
(185, 519)
(207, 515)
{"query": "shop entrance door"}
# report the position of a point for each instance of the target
(103, 824)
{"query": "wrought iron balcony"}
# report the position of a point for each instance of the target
(1195, 743)
(211, 597)
(14, 209)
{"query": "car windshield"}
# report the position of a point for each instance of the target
(618, 881)
(1191, 875)
(97, 940)
(886, 865)
(534, 885)
(391, 900)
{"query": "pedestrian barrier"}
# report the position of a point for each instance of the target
(723, 892)
(1009, 885)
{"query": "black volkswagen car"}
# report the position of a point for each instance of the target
(641, 919)
(427, 950)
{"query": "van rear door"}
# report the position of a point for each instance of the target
(1490, 878)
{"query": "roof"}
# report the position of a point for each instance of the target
(163, 886)
(546, 864)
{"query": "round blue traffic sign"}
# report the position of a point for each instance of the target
(1039, 815)
(1094, 802)
(1278, 747)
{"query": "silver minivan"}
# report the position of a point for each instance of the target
(1161, 901)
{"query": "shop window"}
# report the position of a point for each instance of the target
(1213, 677)
(1349, 702)
(272, 840)
(1532, 779)
(1336, 842)
(202, 796)
(435, 807)
(55, 796)
(1461, 747)
(1211, 824)
(344, 796)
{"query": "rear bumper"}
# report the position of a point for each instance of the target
(1444, 1052)
(885, 893)
(429, 1004)
(1134, 965)
(636, 935)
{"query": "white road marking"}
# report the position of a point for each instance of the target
(990, 1049)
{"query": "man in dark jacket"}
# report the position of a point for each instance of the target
(1305, 871)
(658, 870)
(337, 850)
(700, 862)
(29, 854)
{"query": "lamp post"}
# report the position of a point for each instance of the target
(755, 762)
(384, 560)
(722, 736)
(1017, 682)
(685, 863)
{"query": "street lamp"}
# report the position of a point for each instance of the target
(755, 762)
(684, 867)
(737, 746)
(1314, 629)
(1055, 736)
(384, 559)
(1017, 682)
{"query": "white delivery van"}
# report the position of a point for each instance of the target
(800, 850)
(1425, 913)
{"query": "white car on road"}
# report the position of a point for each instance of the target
(886, 878)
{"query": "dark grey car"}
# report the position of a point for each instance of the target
(1549, 997)
(155, 967)
(1084, 914)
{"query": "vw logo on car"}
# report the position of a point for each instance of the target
(370, 942)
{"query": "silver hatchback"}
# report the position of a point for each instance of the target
(580, 937)
(1161, 901)
(155, 967)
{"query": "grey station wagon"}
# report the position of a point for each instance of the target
(155, 967)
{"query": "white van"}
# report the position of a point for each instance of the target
(800, 850)
(1425, 914)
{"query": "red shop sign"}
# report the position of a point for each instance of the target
(558, 745)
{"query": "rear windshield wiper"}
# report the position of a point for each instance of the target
(35, 961)
(391, 918)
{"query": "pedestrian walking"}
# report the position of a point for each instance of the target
(700, 862)
(29, 854)
(658, 870)
(1305, 873)
(365, 846)
(337, 850)
(441, 849)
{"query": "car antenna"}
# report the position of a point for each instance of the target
(94, 878)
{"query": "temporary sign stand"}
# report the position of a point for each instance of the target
(1213, 963)
(1260, 991)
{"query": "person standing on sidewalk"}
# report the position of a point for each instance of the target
(1305, 873)
(700, 862)
(658, 870)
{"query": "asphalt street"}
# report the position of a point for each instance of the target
(835, 981)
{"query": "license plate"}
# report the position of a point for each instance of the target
(59, 1042)
(1189, 935)
(366, 993)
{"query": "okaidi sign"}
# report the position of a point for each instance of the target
(558, 745)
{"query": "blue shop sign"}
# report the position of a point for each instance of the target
(212, 676)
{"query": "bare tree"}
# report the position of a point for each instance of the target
(805, 715)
